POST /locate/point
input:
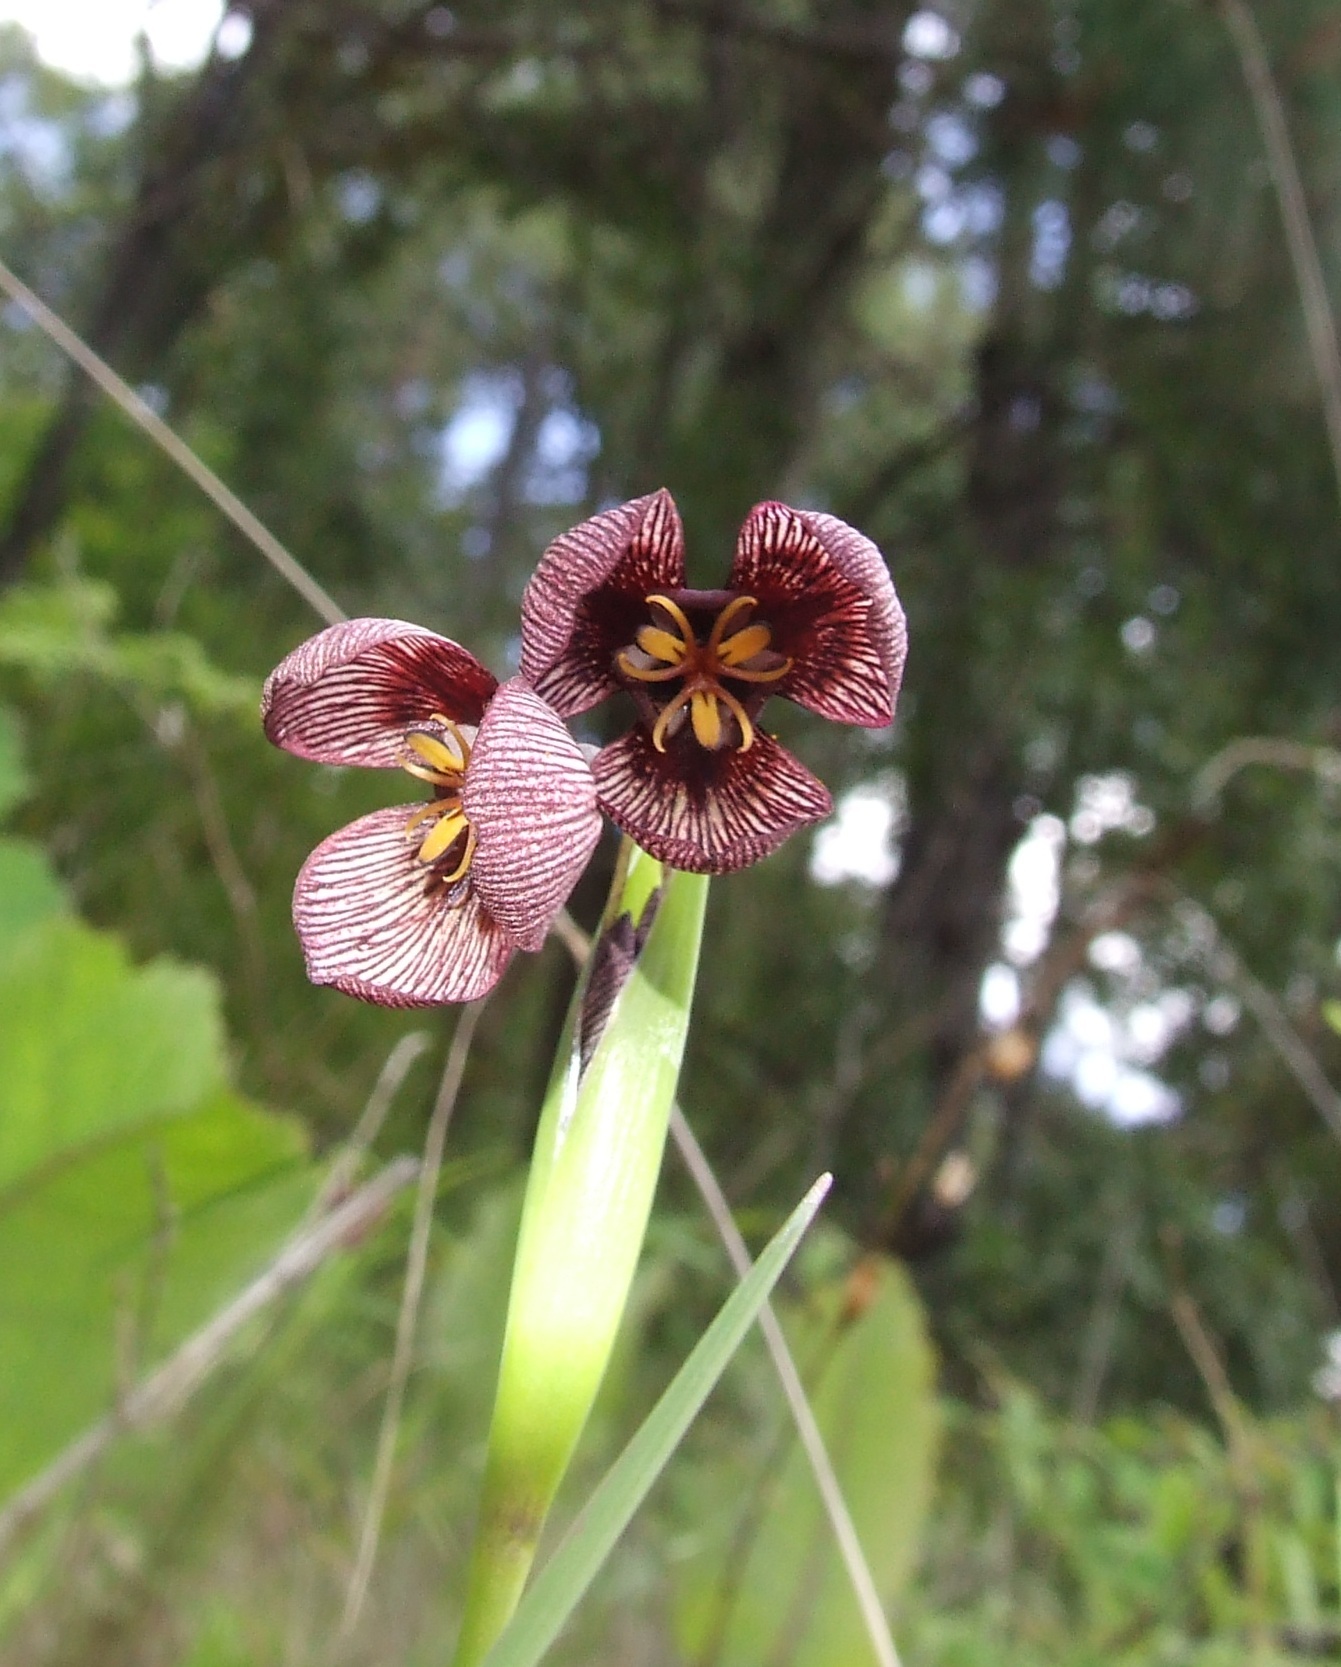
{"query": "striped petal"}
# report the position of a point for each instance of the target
(374, 923)
(586, 599)
(530, 797)
(826, 593)
(347, 695)
(709, 812)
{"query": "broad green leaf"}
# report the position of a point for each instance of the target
(90, 1047)
(137, 1192)
(110, 1260)
(13, 776)
(769, 1584)
(29, 891)
(559, 1587)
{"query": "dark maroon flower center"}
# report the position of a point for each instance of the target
(703, 641)
(437, 752)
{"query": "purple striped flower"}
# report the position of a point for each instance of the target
(809, 613)
(414, 906)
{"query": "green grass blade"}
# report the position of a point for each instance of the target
(563, 1581)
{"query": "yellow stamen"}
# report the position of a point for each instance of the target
(738, 605)
(678, 614)
(647, 674)
(706, 719)
(661, 645)
(744, 645)
(443, 835)
(738, 713)
(726, 654)
(464, 864)
(421, 772)
(667, 713)
(434, 807)
(743, 675)
(436, 754)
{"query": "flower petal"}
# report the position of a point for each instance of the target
(347, 695)
(531, 799)
(585, 600)
(373, 923)
(709, 812)
(825, 590)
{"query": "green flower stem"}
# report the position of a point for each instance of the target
(597, 1156)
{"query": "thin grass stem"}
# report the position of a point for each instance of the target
(289, 568)
(812, 1441)
(416, 1263)
(1281, 159)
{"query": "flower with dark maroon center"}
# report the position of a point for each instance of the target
(413, 906)
(809, 613)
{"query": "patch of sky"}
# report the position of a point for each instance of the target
(455, 268)
(1063, 151)
(1230, 1214)
(860, 842)
(984, 91)
(565, 445)
(916, 79)
(233, 36)
(1033, 890)
(109, 117)
(933, 183)
(1108, 804)
(1052, 244)
(479, 431)
(1099, 1053)
(34, 144)
(928, 35)
(999, 997)
(919, 284)
(951, 138)
(96, 40)
(943, 223)
(1095, 395)
(1104, 1050)
(1118, 220)
(847, 392)
(1139, 635)
(359, 197)
(984, 207)
(978, 282)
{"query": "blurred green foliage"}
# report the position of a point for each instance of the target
(429, 285)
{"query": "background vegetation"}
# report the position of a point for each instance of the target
(1004, 283)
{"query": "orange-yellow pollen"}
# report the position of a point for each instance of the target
(733, 649)
(440, 759)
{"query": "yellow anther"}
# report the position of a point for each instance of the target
(433, 808)
(436, 754)
(678, 614)
(647, 674)
(737, 606)
(706, 718)
(464, 864)
(661, 645)
(744, 645)
(442, 836)
(743, 674)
